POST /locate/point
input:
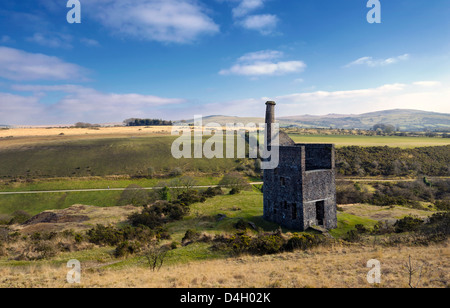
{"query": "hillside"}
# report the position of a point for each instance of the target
(405, 119)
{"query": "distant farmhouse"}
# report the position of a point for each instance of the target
(301, 192)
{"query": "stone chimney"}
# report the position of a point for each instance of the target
(270, 119)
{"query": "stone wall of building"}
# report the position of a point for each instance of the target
(301, 192)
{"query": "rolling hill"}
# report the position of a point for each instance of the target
(404, 119)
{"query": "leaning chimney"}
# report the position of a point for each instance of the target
(270, 119)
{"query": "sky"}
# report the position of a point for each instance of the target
(174, 59)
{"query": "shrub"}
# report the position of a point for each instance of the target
(158, 214)
(438, 225)
(382, 228)
(408, 224)
(361, 229)
(239, 243)
(104, 235)
(442, 205)
(126, 248)
(190, 236)
(267, 244)
(155, 256)
(44, 250)
(176, 172)
(352, 236)
(112, 236)
(235, 191)
(302, 241)
(190, 197)
(212, 192)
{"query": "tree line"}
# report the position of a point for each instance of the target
(147, 122)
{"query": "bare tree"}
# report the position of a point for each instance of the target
(155, 256)
(412, 270)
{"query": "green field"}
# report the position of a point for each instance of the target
(370, 141)
(94, 183)
(103, 157)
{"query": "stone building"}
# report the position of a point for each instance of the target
(301, 192)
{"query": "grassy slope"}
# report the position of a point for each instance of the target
(102, 157)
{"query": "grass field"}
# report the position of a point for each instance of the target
(369, 141)
(323, 267)
(102, 157)
(196, 265)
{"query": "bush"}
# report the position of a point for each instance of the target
(158, 214)
(302, 241)
(352, 236)
(408, 224)
(442, 205)
(104, 235)
(190, 236)
(45, 250)
(111, 236)
(382, 228)
(155, 256)
(190, 197)
(176, 172)
(239, 243)
(127, 248)
(235, 191)
(212, 192)
(361, 229)
(438, 225)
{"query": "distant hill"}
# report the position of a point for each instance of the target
(405, 119)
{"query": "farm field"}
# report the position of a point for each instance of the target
(370, 141)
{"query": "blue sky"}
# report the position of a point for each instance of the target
(174, 59)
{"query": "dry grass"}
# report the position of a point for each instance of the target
(96, 215)
(330, 267)
(382, 213)
(20, 137)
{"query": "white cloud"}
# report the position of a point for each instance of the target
(265, 24)
(170, 21)
(427, 83)
(5, 39)
(247, 6)
(385, 97)
(261, 56)
(371, 62)
(89, 105)
(263, 63)
(244, 16)
(57, 40)
(78, 104)
(20, 65)
(90, 42)
(15, 109)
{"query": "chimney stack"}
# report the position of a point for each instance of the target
(270, 119)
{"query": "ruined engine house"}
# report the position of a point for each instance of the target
(301, 192)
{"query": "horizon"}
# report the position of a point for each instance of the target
(174, 59)
(106, 124)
